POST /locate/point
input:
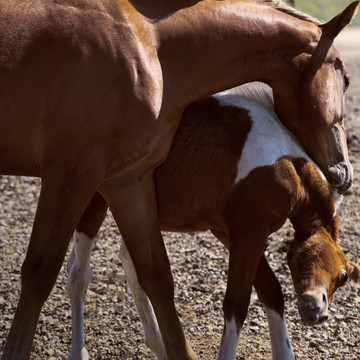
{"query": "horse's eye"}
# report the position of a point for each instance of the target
(346, 82)
(344, 278)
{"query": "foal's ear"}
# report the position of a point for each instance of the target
(353, 271)
(335, 25)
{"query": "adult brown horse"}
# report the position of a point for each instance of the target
(92, 93)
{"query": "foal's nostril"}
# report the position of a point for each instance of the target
(324, 298)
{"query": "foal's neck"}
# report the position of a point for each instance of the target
(315, 207)
(215, 45)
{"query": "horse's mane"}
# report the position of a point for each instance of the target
(287, 9)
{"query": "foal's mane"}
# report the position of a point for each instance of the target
(287, 9)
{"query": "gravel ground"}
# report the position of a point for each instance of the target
(199, 266)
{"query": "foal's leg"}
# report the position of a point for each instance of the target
(80, 271)
(269, 291)
(246, 249)
(134, 207)
(61, 204)
(146, 312)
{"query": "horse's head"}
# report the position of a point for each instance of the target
(318, 267)
(315, 110)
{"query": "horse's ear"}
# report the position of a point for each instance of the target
(354, 271)
(335, 25)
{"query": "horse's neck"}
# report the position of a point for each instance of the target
(215, 45)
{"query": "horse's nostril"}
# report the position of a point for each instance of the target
(324, 298)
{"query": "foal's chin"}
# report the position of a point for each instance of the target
(340, 176)
(313, 307)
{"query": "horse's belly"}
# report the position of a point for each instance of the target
(17, 152)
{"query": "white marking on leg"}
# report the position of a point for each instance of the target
(146, 312)
(280, 343)
(229, 341)
(79, 278)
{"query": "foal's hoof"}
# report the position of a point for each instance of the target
(76, 355)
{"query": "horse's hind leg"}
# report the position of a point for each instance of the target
(146, 313)
(80, 271)
(61, 204)
(134, 207)
(269, 292)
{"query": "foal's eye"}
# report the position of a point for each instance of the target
(346, 82)
(344, 278)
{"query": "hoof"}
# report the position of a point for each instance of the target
(76, 355)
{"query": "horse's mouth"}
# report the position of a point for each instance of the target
(340, 176)
(314, 319)
(313, 308)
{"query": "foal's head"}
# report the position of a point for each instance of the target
(314, 111)
(318, 267)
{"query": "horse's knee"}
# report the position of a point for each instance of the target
(235, 313)
(38, 275)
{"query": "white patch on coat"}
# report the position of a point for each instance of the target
(229, 341)
(268, 139)
(280, 343)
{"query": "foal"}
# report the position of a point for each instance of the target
(234, 169)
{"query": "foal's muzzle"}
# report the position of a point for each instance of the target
(313, 307)
(340, 176)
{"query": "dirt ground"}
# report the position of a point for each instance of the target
(199, 265)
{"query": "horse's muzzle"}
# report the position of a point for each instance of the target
(313, 308)
(340, 176)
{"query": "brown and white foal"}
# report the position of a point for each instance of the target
(234, 168)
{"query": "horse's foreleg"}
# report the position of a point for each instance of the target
(80, 271)
(134, 207)
(146, 313)
(245, 252)
(61, 204)
(269, 292)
